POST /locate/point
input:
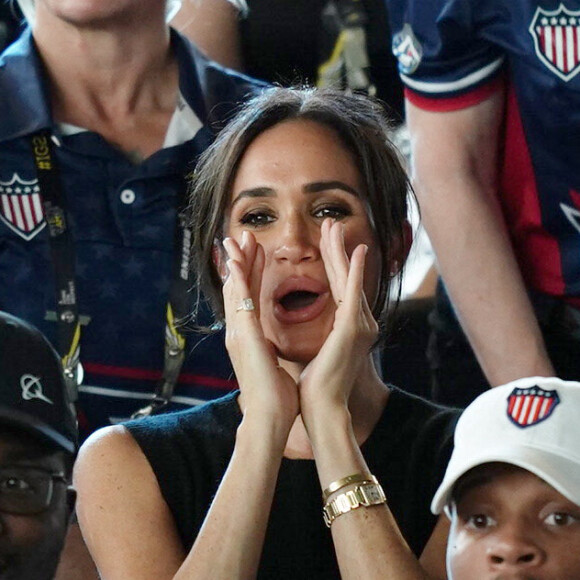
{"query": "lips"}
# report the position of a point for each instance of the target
(300, 299)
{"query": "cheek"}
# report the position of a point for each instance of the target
(29, 531)
(465, 555)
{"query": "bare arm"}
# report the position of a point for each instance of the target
(127, 526)
(455, 160)
(213, 25)
(339, 392)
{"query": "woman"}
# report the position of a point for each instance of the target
(299, 212)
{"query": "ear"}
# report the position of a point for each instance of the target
(401, 253)
(219, 259)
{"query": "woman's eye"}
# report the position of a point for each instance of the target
(480, 521)
(256, 218)
(560, 519)
(332, 211)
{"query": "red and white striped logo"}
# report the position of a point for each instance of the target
(531, 405)
(21, 207)
(556, 35)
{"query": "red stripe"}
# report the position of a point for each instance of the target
(455, 103)
(537, 411)
(537, 252)
(542, 38)
(511, 404)
(155, 375)
(524, 419)
(554, 50)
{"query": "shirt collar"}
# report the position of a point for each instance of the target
(26, 110)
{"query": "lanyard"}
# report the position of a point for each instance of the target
(178, 308)
(63, 258)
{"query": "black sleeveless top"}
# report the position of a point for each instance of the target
(408, 452)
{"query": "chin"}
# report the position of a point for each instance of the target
(300, 345)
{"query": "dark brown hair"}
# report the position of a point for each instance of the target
(362, 125)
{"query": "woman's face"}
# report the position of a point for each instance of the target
(292, 177)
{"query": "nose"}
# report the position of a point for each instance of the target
(514, 550)
(299, 241)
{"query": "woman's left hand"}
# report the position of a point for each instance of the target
(330, 376)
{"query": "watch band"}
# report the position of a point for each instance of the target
(348, 480)
(364, 495)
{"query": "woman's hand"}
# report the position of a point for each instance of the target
(331, 375)
(266, 388)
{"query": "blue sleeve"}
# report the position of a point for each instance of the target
(441, 45)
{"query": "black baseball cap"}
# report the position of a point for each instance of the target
(33, 392)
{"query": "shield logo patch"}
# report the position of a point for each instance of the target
(556, 35)
(531, 405)
(21, 206)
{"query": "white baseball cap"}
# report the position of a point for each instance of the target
(533, 423)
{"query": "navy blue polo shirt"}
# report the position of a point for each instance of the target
(122, 218)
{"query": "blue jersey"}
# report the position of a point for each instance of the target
(122, 217)
(455, 53)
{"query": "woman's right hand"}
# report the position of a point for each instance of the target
(267, 390)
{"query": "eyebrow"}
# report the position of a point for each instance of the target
(314, 187)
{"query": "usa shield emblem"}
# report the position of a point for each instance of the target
(21, 206)
(531, 405)
(556, 35)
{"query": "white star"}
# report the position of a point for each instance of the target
(572, 21)
(18, 190)
(544, 21)
(8, 190)
(27, 190)
(563, 21)
(554, 21)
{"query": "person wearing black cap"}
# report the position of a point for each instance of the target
(38, 444)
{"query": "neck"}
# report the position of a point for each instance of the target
(108, 73)
(366, 404)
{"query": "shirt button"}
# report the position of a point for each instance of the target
(127, 196)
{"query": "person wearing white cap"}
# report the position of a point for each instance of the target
(512, 487)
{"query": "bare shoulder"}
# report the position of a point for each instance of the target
(126, 523)
(110, 452)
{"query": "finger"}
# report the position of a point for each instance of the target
(325, 249)
(236, 290)
(330, 236)
(233, 250)
(243, 252)
(354, 293)
(256, 276)
(248, 248)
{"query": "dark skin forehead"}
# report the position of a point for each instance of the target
(480, 476)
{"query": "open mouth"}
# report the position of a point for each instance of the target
(298, 299)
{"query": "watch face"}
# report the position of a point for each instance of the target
(373, 494)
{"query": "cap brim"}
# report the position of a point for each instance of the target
(562, 473)
(32, 425)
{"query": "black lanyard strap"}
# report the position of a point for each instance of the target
(177, 311)
(63, 257)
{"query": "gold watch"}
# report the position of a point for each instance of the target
(364, 495)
